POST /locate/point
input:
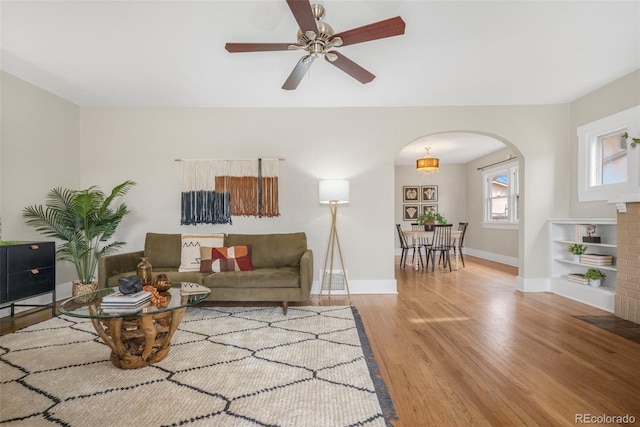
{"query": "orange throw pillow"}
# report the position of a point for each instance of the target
(233, 258)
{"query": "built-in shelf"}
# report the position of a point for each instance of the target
(562, 233)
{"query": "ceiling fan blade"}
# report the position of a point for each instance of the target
(298, 73)
(378, 30)
(301, 10)
(350, 67)
(256, 47)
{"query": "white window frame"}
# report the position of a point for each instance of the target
(512, 170)
(590, 159)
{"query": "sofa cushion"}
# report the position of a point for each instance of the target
(233, 258)
(265, 278)
(272, 250)
(163, 250)
(190, 249)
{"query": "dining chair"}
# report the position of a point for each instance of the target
(422, 241)
(462, 226)
(441, 243)
(404, 244)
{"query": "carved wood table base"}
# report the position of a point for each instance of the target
(137, 342)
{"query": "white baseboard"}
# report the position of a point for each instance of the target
(490, 256)
(502, 259)
(362, 287)
(532, 285)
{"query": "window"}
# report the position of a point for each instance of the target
(501, 195)
(604, 157)
(612, 162)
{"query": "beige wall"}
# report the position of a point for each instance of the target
(39, 149)
(451, 191)
(496, 244)
(359, 144)
(356, 143)
(618, 96)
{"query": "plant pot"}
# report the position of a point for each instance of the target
(595, 282)
(84, 291)
(428, 227)
(576, 258)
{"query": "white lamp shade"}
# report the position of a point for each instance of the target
(334, 190)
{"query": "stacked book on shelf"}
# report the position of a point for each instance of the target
(578, 278)
(118, 302)
(596, 259)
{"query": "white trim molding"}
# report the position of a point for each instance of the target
(381, 287)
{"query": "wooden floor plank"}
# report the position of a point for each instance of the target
(465, 348)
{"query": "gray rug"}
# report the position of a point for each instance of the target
(227, 367)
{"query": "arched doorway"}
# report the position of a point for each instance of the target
(464, 157)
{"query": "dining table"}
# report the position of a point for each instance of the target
(416, 237)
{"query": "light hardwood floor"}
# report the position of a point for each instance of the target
(465, 348)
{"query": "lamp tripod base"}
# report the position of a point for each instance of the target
(334, 243)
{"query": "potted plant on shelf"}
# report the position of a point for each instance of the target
(596, 277)
(577, 249)
(634, 141)
(83, 220)
(431, 217)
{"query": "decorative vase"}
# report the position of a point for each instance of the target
(595, 282)
(162, 283)
(144, 271)
(576, 258)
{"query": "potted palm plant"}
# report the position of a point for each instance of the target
(84, 220)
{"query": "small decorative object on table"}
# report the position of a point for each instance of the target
(129, 285)
(156, 298)
(162, 282)
(144, 271)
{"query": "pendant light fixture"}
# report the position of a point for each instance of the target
(427, 164)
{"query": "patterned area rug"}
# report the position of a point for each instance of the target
(227, 367)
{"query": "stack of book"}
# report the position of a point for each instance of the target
(193, 288)
(578, 278)
(125, 303)
(596, 259)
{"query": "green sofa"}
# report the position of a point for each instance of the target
(283, 267)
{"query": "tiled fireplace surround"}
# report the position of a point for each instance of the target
(627, 302)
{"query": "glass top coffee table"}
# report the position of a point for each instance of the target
(136, 339)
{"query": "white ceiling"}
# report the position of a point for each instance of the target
(171, 53)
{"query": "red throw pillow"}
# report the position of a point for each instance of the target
(233, 258)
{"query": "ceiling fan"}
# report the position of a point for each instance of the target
(317, 38)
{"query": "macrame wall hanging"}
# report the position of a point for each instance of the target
(215, 190)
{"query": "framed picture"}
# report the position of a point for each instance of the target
(410, 212)
(427, 208)
(429, 193)
(411, 193)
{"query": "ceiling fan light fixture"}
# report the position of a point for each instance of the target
(428, 165)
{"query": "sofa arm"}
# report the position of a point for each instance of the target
(115, 264)
(306, 273)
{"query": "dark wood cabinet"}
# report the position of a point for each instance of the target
(27, 269)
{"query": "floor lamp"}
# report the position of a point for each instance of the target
(333, 192)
